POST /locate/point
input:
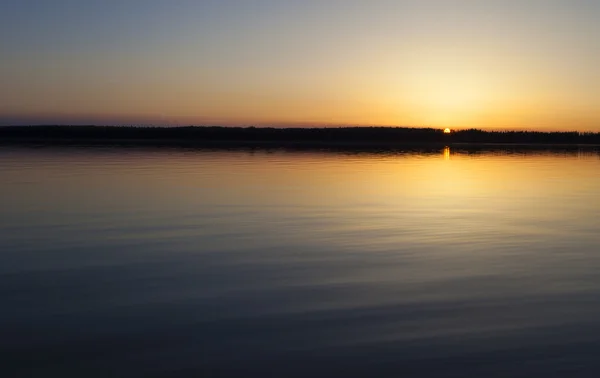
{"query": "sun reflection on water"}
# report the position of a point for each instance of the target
(446, 153)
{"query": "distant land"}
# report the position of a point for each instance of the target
(287, 137)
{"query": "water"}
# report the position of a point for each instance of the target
(142, 262)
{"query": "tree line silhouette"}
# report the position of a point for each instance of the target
(331, 135)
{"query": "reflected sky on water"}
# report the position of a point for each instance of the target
(141, 261)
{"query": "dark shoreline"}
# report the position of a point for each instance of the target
(363, 138)
(283, 143)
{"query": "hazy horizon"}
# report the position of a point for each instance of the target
(495, 65)
(290, 126)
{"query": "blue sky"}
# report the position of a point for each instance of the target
(497, 64)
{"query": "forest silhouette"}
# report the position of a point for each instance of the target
(359, 136)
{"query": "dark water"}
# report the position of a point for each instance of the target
(140, 262)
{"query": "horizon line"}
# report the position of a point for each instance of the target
(453, 129)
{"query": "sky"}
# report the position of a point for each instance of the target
(510, 64)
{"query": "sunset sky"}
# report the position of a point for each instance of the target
(525, 64)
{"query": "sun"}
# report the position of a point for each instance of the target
(447, 131)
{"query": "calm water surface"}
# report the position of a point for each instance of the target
(141, 262)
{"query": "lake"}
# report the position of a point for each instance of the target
(130, 261)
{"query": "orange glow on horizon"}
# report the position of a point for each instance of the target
(470, 64)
